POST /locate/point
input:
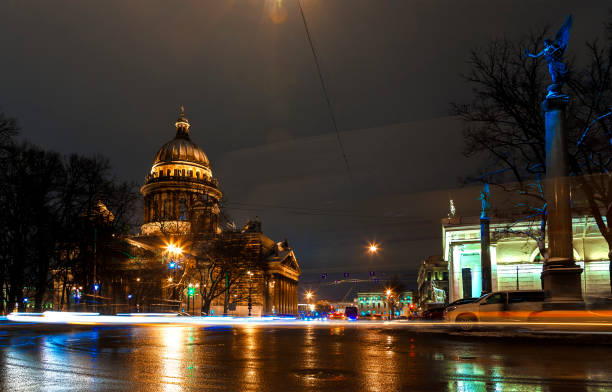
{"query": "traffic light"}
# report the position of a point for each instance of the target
(191, 291)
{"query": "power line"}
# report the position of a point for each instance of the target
(329, 105)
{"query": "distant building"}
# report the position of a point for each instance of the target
(516, 263)
(377, 303)
(432, 282)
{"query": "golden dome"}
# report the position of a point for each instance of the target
(181, 148)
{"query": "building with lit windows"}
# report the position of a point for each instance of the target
(516, 263)
(377, 302)
(432, 283)
(184, 250)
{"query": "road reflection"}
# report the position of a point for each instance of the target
(377, 356)
(250, 354)
(173, 339)
(311, 358)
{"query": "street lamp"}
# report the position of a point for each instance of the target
(174, 250)
(308, 295)
(389, 293)
(373, 248)
(250, 291)
(175, 253)
(96, 287)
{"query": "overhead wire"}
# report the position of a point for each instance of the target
(325, 93)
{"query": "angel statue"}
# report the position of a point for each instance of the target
(484, 200)
(553, 53)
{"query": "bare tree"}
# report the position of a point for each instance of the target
(504, 124)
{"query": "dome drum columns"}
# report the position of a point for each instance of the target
(180, 186)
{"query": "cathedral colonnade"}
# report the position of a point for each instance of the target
(284, 295)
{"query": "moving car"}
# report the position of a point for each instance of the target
(514, 305)
(433, 314)
(336, 316)
(461, 302)
(351, 312)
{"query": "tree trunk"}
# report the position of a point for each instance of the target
(610, 267)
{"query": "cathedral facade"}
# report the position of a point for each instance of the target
(186, 259)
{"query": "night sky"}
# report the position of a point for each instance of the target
(108, 78)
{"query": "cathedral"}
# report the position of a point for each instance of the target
(188, 259)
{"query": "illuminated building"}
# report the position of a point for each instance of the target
(516, 263)
(432, 282)
(376, 302)
(181, 211)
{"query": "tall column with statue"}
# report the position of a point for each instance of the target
(485, 242)
(560, 275)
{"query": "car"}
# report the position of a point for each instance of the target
(461, 302)
(373, 316)
(433, 314)
(336, 316)
(513, 305)
(351, 312)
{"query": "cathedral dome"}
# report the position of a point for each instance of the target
(181, 148)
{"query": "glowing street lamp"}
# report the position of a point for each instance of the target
(390, 301)
(174, 250)
(373, 248)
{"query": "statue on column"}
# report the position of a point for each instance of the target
(553, 53)
(484, 200)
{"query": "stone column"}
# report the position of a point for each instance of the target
(291, 298)
(285, 297)
(485, 255)
(277, 301)
(281, 304)
(560, 275)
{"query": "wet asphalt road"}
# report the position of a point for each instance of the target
(273, 358)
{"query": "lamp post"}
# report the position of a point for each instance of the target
(250, 274)
(309, 296)
(175, 253)
(389, 293)
(96, 287)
